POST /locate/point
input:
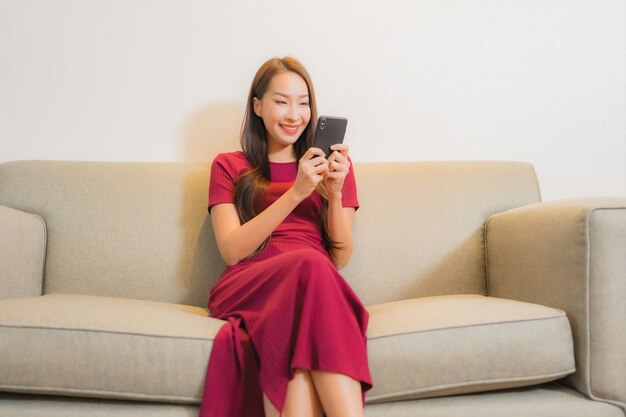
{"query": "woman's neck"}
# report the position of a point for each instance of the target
(285, 154)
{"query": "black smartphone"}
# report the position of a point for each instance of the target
(329, 131)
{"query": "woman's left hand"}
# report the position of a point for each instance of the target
(338, 167)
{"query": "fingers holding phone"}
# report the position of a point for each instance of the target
(313, 157)
(338, 159)
(339, 166)
(312, 168)
(329, 135)
(341, 148)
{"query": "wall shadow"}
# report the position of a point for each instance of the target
(212, 129)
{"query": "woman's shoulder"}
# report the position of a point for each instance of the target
(235, 157)
(236, 160)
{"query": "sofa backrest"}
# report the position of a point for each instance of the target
(141, 230)
(419, 230)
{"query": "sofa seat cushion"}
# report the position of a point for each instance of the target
(105, 347)
(446, 345)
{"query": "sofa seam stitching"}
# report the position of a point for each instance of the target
(559, 317)
(592, 394)
(482, 381)
(101, 331)
(87, 391)
(485, 254)
(45, 252)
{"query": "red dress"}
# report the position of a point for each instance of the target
(286, 308)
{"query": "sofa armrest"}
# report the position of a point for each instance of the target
(570, 254)
(22, 253)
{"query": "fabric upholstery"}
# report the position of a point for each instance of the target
(446, 345)
(105, 347)
(570, 255)
(141, 230)
(130, 258)
(22, 253)
(544, 401)
(21, 405)
(419, 231)
(142, 350)
(120, 229)
(550, 400)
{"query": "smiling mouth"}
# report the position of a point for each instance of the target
(289, 129)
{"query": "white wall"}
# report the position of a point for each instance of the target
(536, 81)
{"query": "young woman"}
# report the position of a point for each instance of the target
(294, 343)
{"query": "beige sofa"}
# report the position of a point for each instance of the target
(483, 301)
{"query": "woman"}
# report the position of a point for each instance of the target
(294, 343)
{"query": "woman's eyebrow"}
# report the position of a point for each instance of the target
(287, 96)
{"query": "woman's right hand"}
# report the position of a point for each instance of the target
(312, 168)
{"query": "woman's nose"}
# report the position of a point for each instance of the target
(292, 113)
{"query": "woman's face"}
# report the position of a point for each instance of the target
(284, 109)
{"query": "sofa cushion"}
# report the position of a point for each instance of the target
(550, 399)
(445, 345)
(105, 347)
(94, 346)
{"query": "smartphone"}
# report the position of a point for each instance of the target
(329, 131)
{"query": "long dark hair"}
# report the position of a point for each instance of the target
(252, 185)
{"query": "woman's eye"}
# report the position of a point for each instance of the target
(280, 102)
(304, 104)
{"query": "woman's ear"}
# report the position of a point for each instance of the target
(256, 106)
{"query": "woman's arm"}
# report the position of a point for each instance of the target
(339, 219)
(236, 241)
(339, 222)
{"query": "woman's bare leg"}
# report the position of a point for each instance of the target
(340, 394)
(301, 399)
(270, 410)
